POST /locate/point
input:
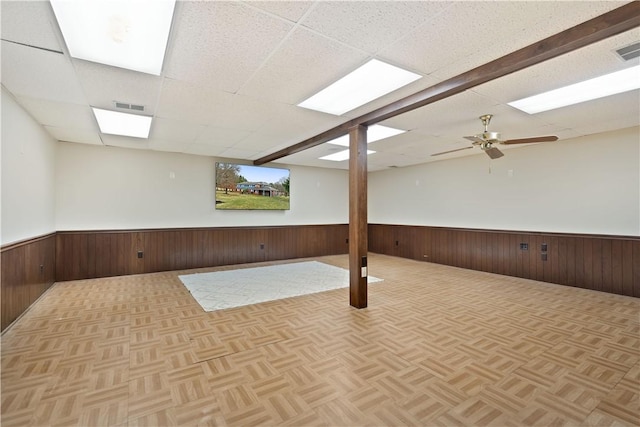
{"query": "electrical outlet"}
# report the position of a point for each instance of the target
(524, 246)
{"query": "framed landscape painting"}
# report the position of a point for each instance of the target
(244, 187)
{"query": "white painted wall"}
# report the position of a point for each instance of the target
(28, 160)
(115, 188)
(584, 185)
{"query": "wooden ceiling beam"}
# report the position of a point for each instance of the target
(617, 21)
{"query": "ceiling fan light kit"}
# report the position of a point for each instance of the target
(487, 139)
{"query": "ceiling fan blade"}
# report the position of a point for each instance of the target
(475, 139)
(494, 153)
(529, 140)
(451, 151)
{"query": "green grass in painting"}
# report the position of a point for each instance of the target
(234, 200)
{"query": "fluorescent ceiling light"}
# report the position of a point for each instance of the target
(130, 34)
(599, 87)
(340, 156)
(370, 81)
(116, 123)
(374, 133)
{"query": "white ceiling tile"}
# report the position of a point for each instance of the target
(410, 89)
(290, 120)
(192, 103)
(267, 61)
(221, 137)
(397, 141)
(433, 145)
(175, 130)
(236, 153)
(519, 25)
(470, 34)
(600, 115)
(204, 150)
(290, 10)
(169, 146)
(260, 141)
(74, 135)
(456, 115)
(103, 85)
(39, 74)
(370, 25)
(30, 23)
(586, 63)
(453, 34)
(561, 133)
(125, 142)
(245, 113)
(314, 153)
(60, 114)
(189, 102)
(511, 123)
(392, 159)
(303, 65)
(211, 45)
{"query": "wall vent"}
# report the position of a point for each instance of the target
(129, 106)
(629, 52)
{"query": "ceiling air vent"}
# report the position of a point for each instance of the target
(629, 52)
(129, 106)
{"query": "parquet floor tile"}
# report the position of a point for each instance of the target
(340, 412)
(309, 419)
(202, 412)
(286, 406)
(253, 415)
(393, 415)
(164, 417)
(423, 407)
(436, 346)
(112, 414)
(480, 412)
(17, 418)
(546, 406)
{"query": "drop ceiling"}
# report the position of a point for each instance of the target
(234, 72)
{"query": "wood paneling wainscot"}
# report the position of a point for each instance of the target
(91, 254)
(602, 263)
(28, 270)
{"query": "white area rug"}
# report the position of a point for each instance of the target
(235, 288)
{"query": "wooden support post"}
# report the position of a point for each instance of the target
(358, 216)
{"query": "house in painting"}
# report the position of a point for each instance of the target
(259, 188)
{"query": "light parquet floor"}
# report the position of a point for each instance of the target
(436, 346)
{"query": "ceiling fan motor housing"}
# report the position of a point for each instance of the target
(486, 140)
(491, 136)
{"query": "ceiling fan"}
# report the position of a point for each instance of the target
(487, 139)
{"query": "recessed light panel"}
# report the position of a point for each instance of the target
(599, 87)
(372, 80)
(341, 155)
(116, 123)
(374, 133)
(129, 34)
